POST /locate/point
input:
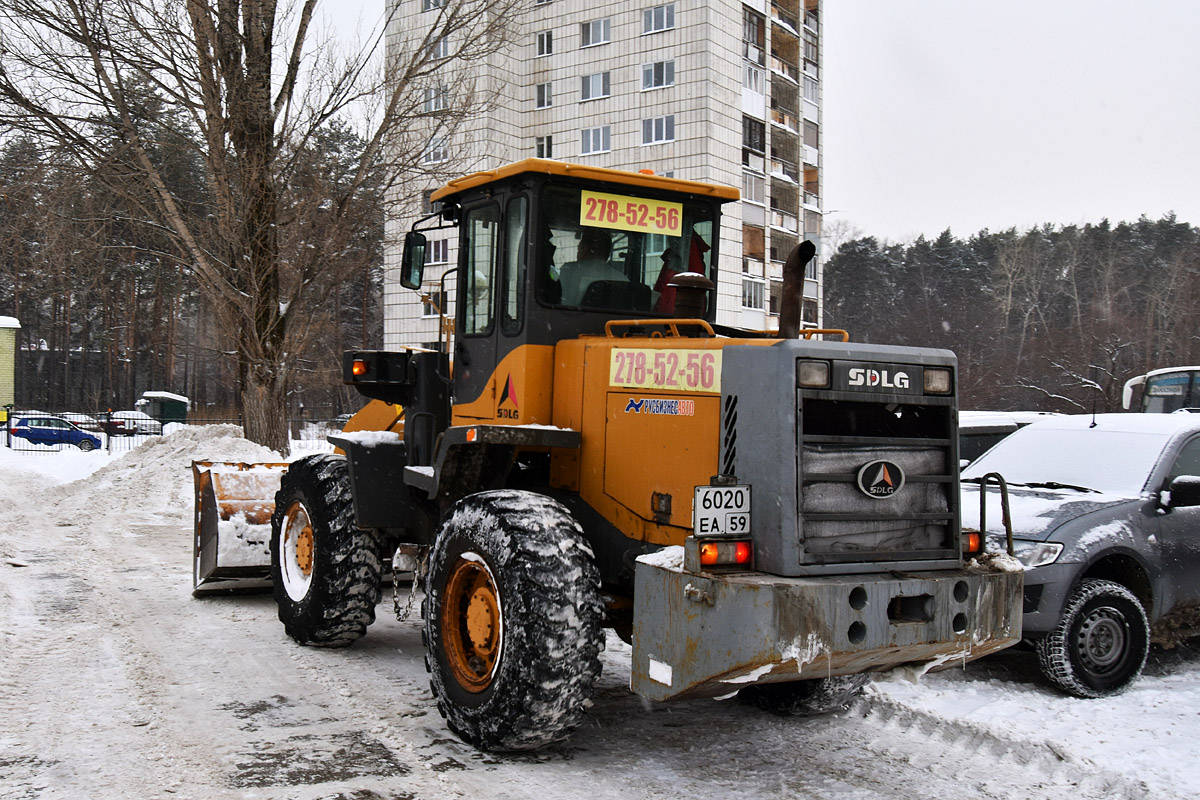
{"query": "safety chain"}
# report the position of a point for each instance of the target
(418, 576)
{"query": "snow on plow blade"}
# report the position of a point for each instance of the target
(232, 542)
(706, 635)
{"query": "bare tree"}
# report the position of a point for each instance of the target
(248, 85)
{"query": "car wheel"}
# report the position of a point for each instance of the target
(86, 445)
(326, 572)
(1101, 643)
(805, 698)
(512, 621)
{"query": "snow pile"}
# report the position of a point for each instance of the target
(155, 478)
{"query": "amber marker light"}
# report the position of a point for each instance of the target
(472, 435)
(709, 553)
(358, 368)
(972, 542)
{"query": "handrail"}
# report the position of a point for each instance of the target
(808, 333)
(671, 324)
(1004, 512)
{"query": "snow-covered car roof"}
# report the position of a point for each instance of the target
(1113, 453)
(970, 420)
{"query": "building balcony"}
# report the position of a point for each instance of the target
(785, 169)
(786, 118)
(784, 221)
(786, 19)
(785, 68)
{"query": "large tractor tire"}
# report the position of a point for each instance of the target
(805, 698)
(1101, 643)
(512, 621)
(326, 572)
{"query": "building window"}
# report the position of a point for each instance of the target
(439, 251)
(544, 98)
(433, 301)
(545, 43)
(430, 5)
(543, 147)
(594, 86)
(808, 312)
(598, 31)
(541, 2)
(440, 49)
(658, 74)
(597, 140)
(659, 18)
(754, 188)
(659, 129)
(753, 292)
(754, 135)
(753, 77)
(437, 99)
(812, 134)
(812, 90)
(436, 151)
(754, 36)
(428, 206)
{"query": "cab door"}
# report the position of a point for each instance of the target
(1179, 533)
(478, 289)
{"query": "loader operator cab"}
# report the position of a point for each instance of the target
(550, 251)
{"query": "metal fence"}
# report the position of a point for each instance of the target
(307, 436)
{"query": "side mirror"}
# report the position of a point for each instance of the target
(1185, 491)
(412, 267)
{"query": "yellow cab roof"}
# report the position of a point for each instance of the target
(549, 167)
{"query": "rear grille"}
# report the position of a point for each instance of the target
(841, 523)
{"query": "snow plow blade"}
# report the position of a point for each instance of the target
(709, 635)
(232, 542)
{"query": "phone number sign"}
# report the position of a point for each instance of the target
(666, 370)
(622, 213)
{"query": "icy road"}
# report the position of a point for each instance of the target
(116, 683)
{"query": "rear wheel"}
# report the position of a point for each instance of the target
(512, 621)
(86, 445)
(1101, 643)
(326, 572)
(805, 698)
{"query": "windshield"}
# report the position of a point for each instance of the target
(609, 252)
(1166, 393)
(1116, 462)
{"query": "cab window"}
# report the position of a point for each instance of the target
(481, 231)
(513, 301)
(607, 252)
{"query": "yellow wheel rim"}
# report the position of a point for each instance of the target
(472, 624)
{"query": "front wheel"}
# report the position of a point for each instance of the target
(326, 572)
(512, 621)
(1101, 643)
(805, 698)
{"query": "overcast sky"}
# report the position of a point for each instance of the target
(966, 114)
(969, 115)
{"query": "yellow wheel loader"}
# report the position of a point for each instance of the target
(769, 515)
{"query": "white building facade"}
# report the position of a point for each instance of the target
(720, 91)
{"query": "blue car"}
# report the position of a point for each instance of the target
(51, 431)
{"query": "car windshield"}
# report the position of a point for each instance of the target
(1117, 462)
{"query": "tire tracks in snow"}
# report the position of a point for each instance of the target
(1041, 765)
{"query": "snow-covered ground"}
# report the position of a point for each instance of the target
(115, 682)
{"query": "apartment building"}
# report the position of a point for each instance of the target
(721, 91)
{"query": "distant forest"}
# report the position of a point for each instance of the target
(1053, 319)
